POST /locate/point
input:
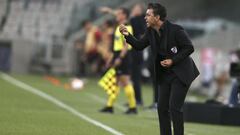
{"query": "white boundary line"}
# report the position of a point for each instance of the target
(58, 103)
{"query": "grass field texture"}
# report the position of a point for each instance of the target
(25, 113)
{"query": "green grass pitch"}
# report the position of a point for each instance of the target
(23, 113)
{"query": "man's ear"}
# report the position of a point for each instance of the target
(158, 17)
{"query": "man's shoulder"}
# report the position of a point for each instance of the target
(148, 30)
(174, 25)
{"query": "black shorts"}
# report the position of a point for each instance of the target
(124, 67)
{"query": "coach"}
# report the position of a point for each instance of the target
(173, 66)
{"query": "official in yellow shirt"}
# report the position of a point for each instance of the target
(121, 63)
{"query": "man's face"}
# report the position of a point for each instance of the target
(120, 16)
(151, 20)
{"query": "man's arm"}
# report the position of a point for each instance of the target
(135, 43)
(185, 46)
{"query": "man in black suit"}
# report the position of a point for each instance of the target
(174, 69)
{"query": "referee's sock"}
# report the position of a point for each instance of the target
(112, 98)
(130, 95)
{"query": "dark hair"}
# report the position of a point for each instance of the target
(109, 23)
(85, 22)
(125, 11)
(158, 9)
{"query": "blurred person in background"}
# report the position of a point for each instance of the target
(234, 99)
(219, 89)
(221, 83)
(222, 78)
(91, 54)
(174, 68)
(121, 62)
(150, 66)
(207, 66)
(105, 45)
(139, 26)
(78, 47)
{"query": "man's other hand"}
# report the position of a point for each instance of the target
(166, 63)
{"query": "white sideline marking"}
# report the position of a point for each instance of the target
(58, 103)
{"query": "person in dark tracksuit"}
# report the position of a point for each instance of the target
(173, 67)
(139, 26)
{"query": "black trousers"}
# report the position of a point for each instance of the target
(172, 94)
(136, 67)
(136, 79)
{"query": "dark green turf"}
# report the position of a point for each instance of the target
(23, 113)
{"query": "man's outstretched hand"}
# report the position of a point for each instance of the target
(123, 30)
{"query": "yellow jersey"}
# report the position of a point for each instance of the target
(118, 42)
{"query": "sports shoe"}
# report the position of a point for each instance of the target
(107, 110)
(131, 111)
